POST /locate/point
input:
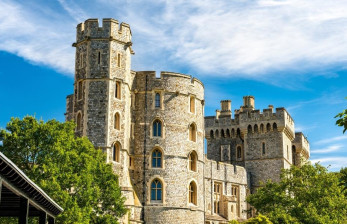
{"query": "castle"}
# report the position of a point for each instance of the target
(153, 130)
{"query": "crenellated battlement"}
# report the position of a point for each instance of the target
(110, 29)
(171, 82)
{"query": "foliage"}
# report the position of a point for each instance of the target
(343, 179)
(260, 219)
(342, 121)
(68, 168)
(309, 194)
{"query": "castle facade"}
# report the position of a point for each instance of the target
(153, 129)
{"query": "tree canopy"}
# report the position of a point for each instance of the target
(68, 168)
(309, 194)
(342, 121)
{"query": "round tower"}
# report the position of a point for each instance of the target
(168, 147)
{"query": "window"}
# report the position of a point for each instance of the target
(256, 128)
(249, 129)
(156, 190)
(117, 91)
(274, 127)
(211, 134)
(79, 90)
(192, 193)
(157, 100)
(263, 148)
(117, 121)
(99, 58)
(192, 104)
(157, 128)
(118, 60)
(233, 132)
(238, 132)
(293, 155)
(79, 122)
(239, 152)
(287, 152)
(268, 127)
(192, 161)
(116, 152)
(192, 132)
(156, 158)
(217, 190)
(228, 133)
(261, 128)
(81, 60)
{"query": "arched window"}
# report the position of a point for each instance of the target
(156, 190)
(228, 133)
(193, 157)
(157, 100)
(222, 133)
(261, 128)
(249, 129)
(293, 155)
(263, 148)
(256, 128)
(192, 132)
(117, 91)
(274, 126)
(79, 121)
(217, 134)
(192, 104)
(192, 193)
(157, 128)
(116, 152)
(238, 132)
(233, 132)
(116, 121)
(157, 158)
(239, 152)
(268, 127)
(211, 134)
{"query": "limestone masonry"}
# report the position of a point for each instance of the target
(152, 130)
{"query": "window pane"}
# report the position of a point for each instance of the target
(154, 162)
(159, 162)
(155, 129)
(159, 194)
(153, 194)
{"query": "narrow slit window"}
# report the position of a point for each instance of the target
(192, 104)
(99, 58)
(118, 60)
(117, 121)
(79, 90)
(116, 152)
(117, 90)
(263, 148)
(157, 100)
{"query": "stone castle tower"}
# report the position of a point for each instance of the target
(153, 128)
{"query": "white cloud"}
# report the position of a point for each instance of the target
(225, 38)
(331, 148)
(330, 140)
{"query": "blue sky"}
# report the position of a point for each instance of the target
(289, 53)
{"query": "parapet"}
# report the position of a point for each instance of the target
(171, 82)
(110, 29)
(301, 144)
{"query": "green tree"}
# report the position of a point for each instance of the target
(342, 121)
(309, 194)
(68, 168)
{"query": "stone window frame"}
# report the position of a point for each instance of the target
(195, 196)
(163, 191)
(116, 156)
(220, 193)
(162, 128)
(192, 167)
(81, 59)
(242, 153)
(263, 148)
(119, 59)
(192, 107)
(79, 123)
(117, 125)
(162, 158)
(117, 89)
(161, 94)
(192, 132)
(237, 189)
(79, 88)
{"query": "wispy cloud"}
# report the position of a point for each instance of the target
(331, 148)
(226, 38)
(331, 140)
